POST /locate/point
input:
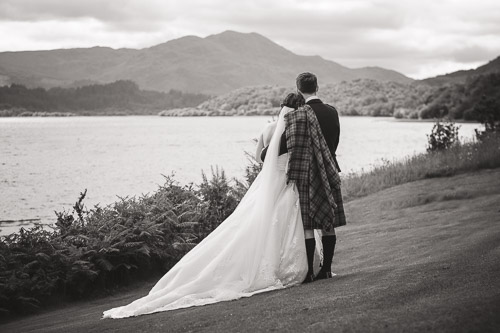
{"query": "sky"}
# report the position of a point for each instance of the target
(420, 38)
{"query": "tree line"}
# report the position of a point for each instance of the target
(472, 100)
(117, 97)
(418, 100)
(362, 97)
(365, 97)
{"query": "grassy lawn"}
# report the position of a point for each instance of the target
(458, 159)
(421, 256)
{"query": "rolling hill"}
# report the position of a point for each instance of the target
(460, 76)
(214, 65)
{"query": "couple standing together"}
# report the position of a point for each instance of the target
(268, 242)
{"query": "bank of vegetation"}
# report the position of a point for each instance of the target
(458, 158)
(117, 98)
(90, 252)
(363, 97)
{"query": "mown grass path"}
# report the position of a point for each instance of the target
(423, 256)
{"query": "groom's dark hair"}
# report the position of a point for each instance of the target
(307, 83)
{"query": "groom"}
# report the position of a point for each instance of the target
(312, 136)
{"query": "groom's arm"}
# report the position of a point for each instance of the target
(334, 139)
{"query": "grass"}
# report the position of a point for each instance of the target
(455, 160)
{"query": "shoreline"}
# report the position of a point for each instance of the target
(457, 121)
(389, 118)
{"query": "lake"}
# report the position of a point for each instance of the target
(46, 162)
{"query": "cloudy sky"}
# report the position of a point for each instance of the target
(418, 38)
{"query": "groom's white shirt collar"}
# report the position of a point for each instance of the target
(311, 97)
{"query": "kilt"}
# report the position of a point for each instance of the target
(310, 218)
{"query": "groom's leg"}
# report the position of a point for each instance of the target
(310, 248)
(329, 240)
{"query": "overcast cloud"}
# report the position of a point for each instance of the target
(418, 38)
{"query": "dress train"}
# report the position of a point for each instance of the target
(258, 248)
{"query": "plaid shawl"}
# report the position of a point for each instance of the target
(312, 167)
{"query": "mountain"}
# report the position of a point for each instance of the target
(460, 76)
(215, 64)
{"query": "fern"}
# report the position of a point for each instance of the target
(89, 251)
(104, 264)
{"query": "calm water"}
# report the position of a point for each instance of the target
(46, 162)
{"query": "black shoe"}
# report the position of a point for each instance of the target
(323, 275)
(309, 278)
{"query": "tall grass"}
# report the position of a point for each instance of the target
(457, 159)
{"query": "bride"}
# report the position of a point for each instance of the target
(258, 248)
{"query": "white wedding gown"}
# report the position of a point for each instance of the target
(259, 247)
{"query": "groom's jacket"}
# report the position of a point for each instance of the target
(312, 167)
(328, 119)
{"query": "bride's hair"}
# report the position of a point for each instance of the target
(293, 100)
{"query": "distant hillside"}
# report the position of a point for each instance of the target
(461, 76)
(461, 99)
(216, 64)
(362, 97)
(121, 97)
(359, 97)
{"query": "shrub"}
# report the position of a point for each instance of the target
(443, 136)
(89, 252)
(413, 115)
(218, 198)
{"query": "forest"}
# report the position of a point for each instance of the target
(120, 97)
(415, 100)
(364, 97)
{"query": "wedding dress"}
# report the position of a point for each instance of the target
(258, 248)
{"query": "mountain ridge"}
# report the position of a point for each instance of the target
(215, 64)
(493, 66)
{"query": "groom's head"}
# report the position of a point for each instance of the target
(307, 83)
